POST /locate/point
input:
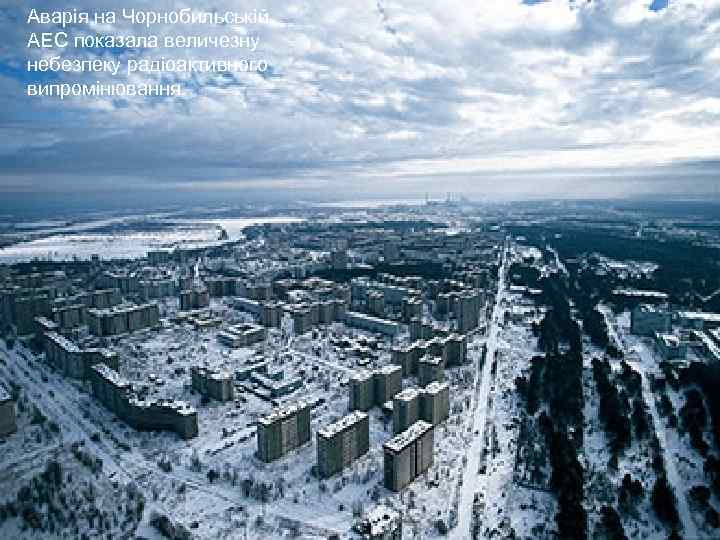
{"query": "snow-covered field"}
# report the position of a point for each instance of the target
(82, 242)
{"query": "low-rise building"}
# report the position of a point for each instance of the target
(670, 346)
(212, 383)
(646, 320)
(242, 335)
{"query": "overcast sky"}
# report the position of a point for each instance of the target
(493, 98)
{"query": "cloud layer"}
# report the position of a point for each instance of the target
(493, 98)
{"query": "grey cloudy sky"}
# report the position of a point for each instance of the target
(497, 98)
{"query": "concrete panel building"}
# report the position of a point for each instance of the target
(64, 355)
(283, 430)
(373, 388)
(195, 298)
(387, 382)
(212, 383)
(435, 403)
(405, 357)
(98, 356)
(163, 415)
(430, 369)
(376, 303)
(362, 391)
(670, 347)
(412, 308)
(342, 442)
(454, 350)
(117, 395)
(123, 319)
(408, 455)
(646, 320)
(242, 335)
(8, 422)
(468, 311)
(70, 316)
(406, 409)
(271, 314)
(371, 324)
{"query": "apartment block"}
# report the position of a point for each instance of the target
(8, 423)
(406, 409)
(408, 455)
(123, 319)
(195, 298)
(646, 320)
(117, 395)
(430, 369)
(283, 430)
(435, 403)
(242, 335)
(342, 442)
(213, 383)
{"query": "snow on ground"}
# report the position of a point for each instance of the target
(682, 465)
(68, 243)
(603, 482)
(297, 500)
(510, 505)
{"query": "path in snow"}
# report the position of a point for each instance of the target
(471, 478)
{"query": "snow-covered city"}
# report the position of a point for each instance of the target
(428, 370)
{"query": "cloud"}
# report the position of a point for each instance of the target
(475, 91)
